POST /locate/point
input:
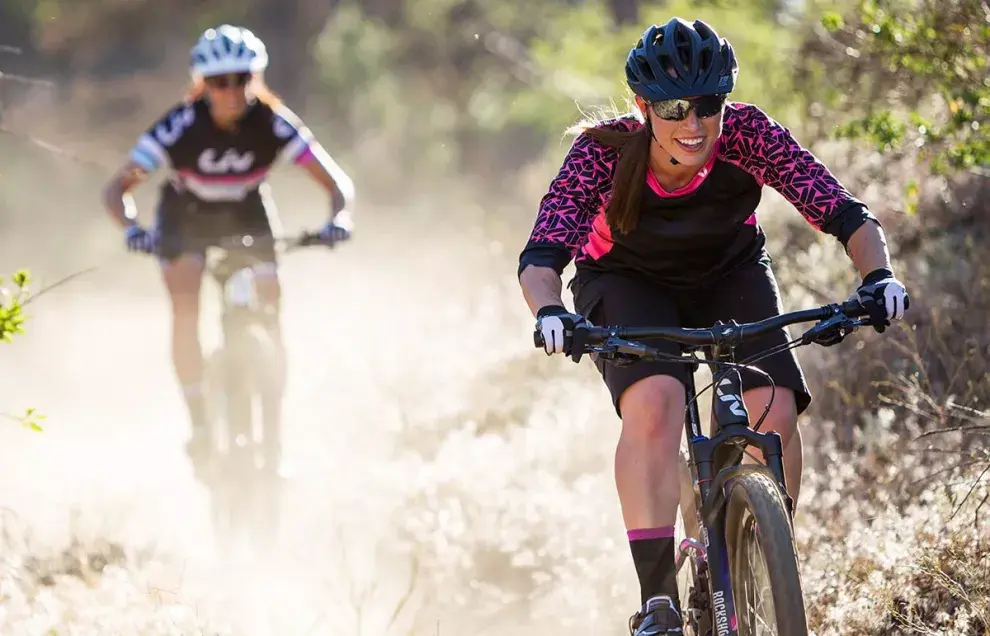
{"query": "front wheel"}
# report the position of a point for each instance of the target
(763, 562)
(244, 482)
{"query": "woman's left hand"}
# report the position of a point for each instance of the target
(337, 229)
(885, 297)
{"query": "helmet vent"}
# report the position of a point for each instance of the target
(680, 59)
(706, 59)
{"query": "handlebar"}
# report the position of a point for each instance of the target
(725, 333)
(279, 243)
(239, 242)
(833, 318)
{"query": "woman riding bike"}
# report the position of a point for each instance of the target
(219, 144)
(658, 210)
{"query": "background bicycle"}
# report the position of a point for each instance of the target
(242, 466)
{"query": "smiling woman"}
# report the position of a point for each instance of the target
(658, 210)
(219, 145)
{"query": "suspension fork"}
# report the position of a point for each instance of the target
(727, 409)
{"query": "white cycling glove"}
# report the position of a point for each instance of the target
(555, 328)
(884, 297)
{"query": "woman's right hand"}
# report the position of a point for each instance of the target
(139, 239)
(555, 327)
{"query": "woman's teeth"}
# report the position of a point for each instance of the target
(692, 143)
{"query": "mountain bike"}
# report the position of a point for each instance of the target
(241, 471)
(745, 515)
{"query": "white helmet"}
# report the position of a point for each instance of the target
(228, 49)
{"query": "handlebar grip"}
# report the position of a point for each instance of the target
(307, 238)
(538, 339)
(854, 309)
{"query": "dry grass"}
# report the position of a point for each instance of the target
(894, 543)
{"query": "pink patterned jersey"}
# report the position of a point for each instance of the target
(699, 232)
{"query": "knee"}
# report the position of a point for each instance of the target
(782, 417)
(185, 328)
(182, 279)
(652, 410)
(185, 305)
(268, 285)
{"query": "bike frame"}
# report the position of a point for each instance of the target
(241, 306)
(234, 272)
(711, 468)
(715, 460)
(241, 311)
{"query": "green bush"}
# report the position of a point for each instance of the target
(913, 75)
(471, 87)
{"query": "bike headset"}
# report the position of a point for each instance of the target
(680, 60)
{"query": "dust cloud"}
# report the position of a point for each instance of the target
(435, 456)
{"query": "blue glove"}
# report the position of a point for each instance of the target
(337, 229)
(139, 239)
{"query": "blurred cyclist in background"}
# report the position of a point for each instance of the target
(219, 144)
(658, 210)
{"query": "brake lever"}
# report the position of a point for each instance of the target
(579, 339)
(620, 352)
(833, 330)
(310, 239)
(633, 349)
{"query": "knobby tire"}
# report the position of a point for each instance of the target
(755, 501)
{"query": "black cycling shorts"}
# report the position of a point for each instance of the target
(187, 226)
(747, 294)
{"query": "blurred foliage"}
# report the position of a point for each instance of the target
(484, 87)
(11, 306)
(912, 73)
(11, 323)
(489, 85)
(445, 85)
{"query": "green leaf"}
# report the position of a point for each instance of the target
(912, 192)
(832, 21)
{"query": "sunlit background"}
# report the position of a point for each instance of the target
(448, 478)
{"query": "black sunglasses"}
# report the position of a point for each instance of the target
(229, 80)
(677, 109)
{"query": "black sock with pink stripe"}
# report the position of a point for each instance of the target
(653, 556)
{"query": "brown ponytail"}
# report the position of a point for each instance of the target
(195, 90)
(264, 94)
(633, 146)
